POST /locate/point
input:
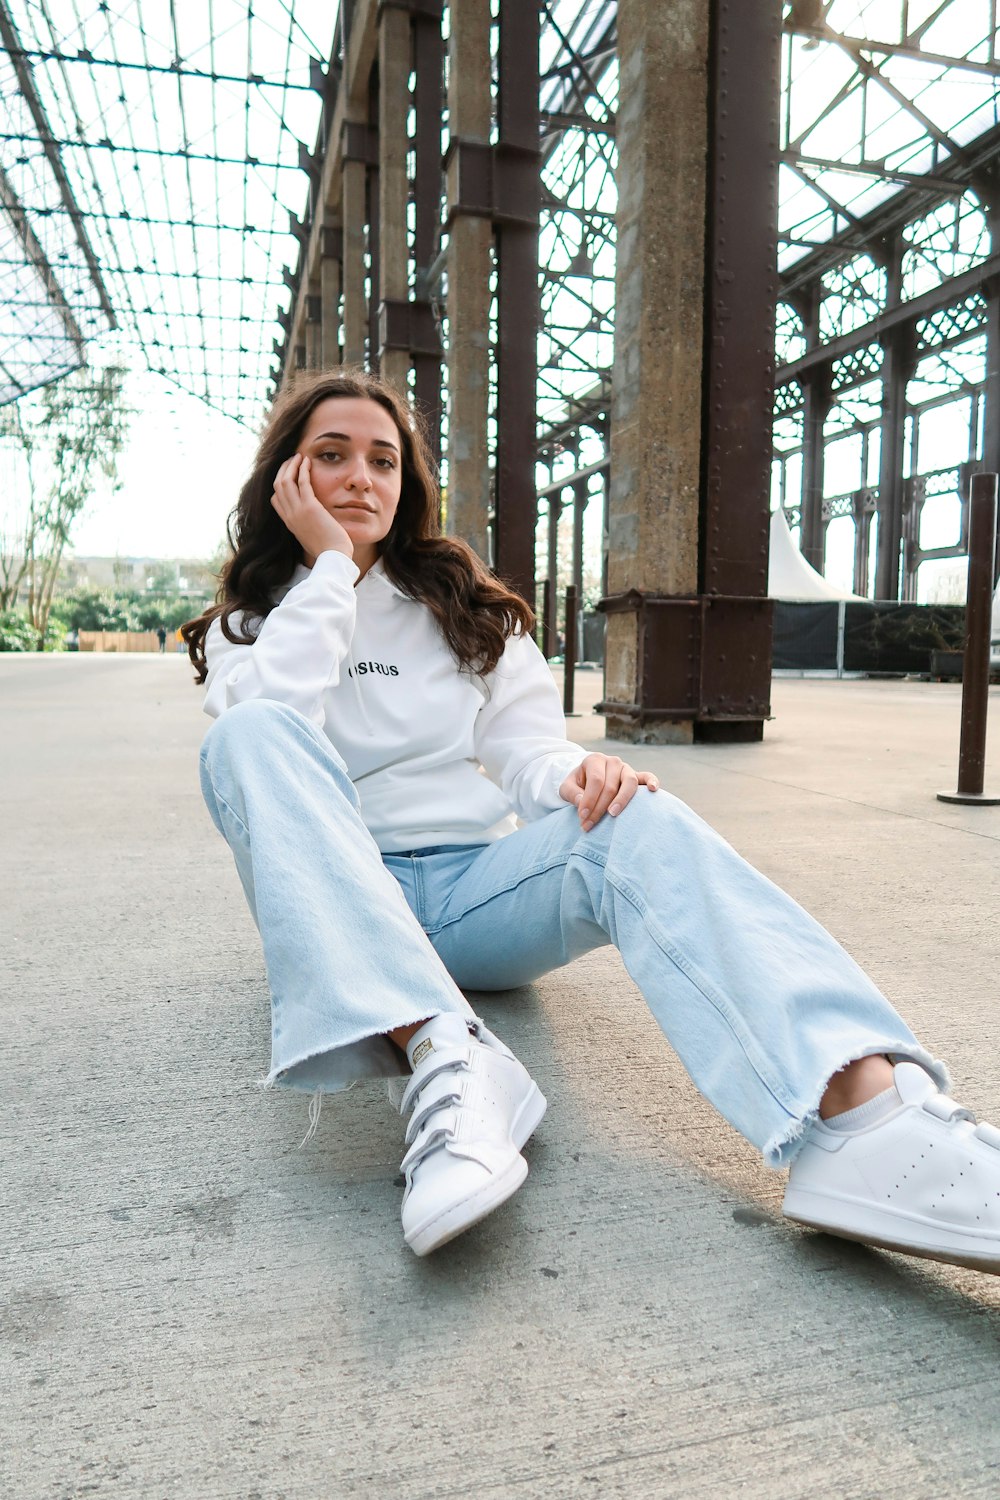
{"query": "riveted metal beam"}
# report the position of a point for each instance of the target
(516, 192)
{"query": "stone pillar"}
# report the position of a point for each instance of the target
(689, 622)
(470, 238)
(393, 185)
(660, 280)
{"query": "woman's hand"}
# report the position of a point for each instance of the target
(603, 783)
(307, 520)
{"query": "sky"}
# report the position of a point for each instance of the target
(180, 472)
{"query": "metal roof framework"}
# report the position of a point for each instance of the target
(887, 398)
(150, 156)
(155, 162)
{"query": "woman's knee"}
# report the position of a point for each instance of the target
(648, 816)
(251, 725)
(264, 738)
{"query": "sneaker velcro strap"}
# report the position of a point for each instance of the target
(944, 1108)
(988, 1133)
(427, 1108)
(438, 1061)
(427, 1143)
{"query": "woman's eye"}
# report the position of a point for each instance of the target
(386, 463)
(328, 455)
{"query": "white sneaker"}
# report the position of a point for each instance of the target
(924, 1179)
(474, 1106)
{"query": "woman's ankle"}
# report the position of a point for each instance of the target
(402, 1034)
(855, 1084)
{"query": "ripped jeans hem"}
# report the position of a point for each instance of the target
(783, 1147)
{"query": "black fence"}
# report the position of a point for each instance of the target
(878, 636)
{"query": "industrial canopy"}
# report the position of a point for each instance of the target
(155, 159)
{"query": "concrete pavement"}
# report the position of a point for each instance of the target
(190, 1305)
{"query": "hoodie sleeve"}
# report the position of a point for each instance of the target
(520, 734)
(298, 648)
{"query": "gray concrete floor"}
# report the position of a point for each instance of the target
(191, 1305)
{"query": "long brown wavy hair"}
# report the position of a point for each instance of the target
(476, 611)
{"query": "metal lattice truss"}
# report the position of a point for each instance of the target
(884, 407)
(576, 248)
(150, 159)
(155, 163)
(878, 95)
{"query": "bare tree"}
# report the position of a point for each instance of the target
(68, 436)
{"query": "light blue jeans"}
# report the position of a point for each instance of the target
(760, 1003)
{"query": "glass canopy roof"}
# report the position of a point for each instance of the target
(152, 156)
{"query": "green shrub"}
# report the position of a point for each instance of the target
(18, 634)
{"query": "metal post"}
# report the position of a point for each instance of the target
(991, 385)
(548, 618)
(569, 652)
(976, 665)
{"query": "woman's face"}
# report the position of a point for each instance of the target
(355, 468)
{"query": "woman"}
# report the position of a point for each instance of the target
(383, 718)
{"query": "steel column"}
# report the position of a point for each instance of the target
(863, 511)
(555, 512)
(896, 344)
(329, 281)
(581, 494)
(518, 298)
(314, 326)
(815, 409)
(428, 57)
(373, 216)
(393, 104)
(354, 212)
(742, 287)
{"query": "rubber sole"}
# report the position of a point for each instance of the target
(458, 1217)
(872, 1226)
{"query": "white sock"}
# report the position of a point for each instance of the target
(867, 1113)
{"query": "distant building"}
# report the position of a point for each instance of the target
(179, 575)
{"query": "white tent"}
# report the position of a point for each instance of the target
(790, 577)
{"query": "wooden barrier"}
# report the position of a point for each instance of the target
(118, 640)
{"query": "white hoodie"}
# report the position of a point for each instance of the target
(371, 668)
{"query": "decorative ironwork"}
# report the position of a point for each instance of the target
(856, 368)
(853, 294)
(788, 398)
(789, 334)
(950, 324)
